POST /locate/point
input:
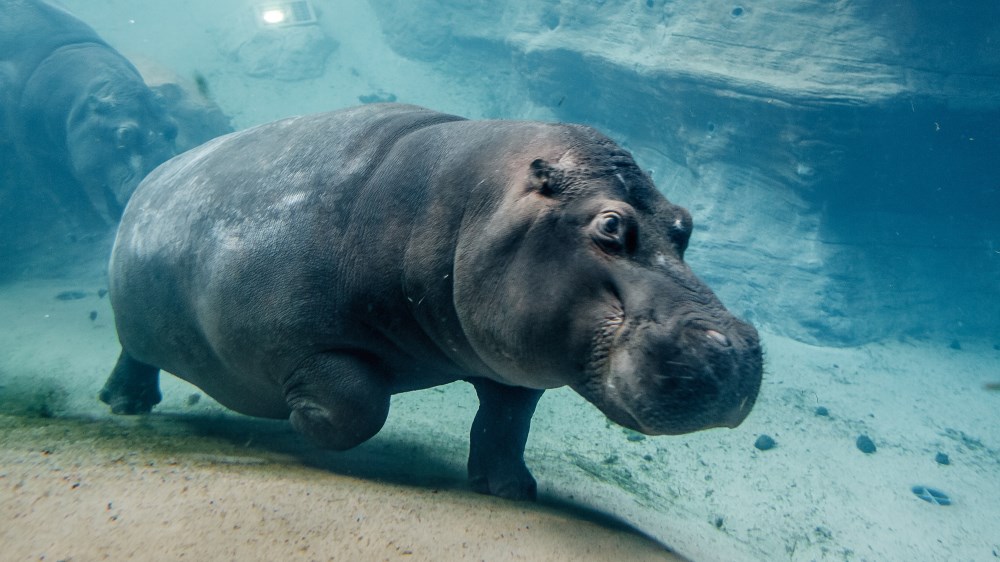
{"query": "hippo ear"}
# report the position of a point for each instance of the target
(101, 104)
(167, 95)
(542, 179)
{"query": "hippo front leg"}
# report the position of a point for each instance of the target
(339, 399)
(496, 445)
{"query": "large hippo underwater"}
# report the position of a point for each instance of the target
(75, 115)
(312, 267)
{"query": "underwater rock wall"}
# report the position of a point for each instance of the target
(838, 157)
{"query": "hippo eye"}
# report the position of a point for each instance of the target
(126, 136)
(610, 224)
(612, 231)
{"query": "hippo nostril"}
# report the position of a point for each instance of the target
(718, 337)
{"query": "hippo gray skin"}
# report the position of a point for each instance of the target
(74, 113)
(312, 267)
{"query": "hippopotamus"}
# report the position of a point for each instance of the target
(74, 113)
(312, 267)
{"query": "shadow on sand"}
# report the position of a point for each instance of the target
(233, 439)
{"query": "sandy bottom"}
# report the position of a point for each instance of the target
(196, 481)
(148, 489)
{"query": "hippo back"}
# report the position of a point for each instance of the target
(248, 222)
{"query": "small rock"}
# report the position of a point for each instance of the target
(71, 295)
(822, 411)
(865, 444)
(380, 96)
(764, 442)
(93, 315)
(942, 458)
(930, 495)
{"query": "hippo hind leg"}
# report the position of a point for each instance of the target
(132, 388)
(496, 445)
(339, 399)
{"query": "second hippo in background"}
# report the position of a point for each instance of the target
(77, 117)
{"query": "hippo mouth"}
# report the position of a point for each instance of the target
(603, 342)
(122, 182)
(610, 331)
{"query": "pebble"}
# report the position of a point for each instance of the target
(764, 442)
(71, 295)
(942, 458)
(865, 444)
(930, 495)
(822, 411)
(634, 436)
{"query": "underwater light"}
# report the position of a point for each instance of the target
(283, 14)
(272, 16)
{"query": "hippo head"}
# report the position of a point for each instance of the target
(116, 135)
(578, 278)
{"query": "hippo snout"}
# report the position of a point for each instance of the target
(678, 377)
(745, 371)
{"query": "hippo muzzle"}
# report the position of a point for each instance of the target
(668, 367)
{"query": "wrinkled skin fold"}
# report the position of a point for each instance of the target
(312, 267)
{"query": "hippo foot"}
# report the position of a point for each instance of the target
(133, 387)
(514, 483)
(125, 404)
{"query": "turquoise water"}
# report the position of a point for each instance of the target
(838, 160)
